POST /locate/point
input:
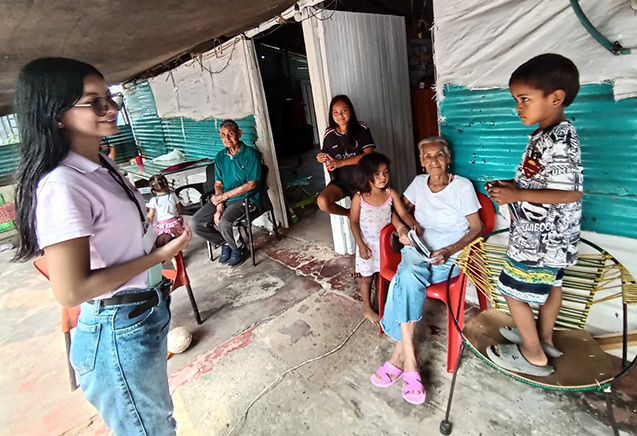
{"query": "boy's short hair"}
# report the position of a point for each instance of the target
(549, 72)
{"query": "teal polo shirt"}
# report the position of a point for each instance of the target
(234, 171)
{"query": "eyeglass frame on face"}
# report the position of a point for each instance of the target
(108, 101)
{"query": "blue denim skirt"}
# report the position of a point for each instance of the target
(408, 289)
(121, 366)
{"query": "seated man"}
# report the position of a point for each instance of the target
(237, 173)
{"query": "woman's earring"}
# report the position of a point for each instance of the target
(60, 124)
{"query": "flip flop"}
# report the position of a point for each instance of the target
(384, 372)
(513, 334)
(413, 390)
(509, 356)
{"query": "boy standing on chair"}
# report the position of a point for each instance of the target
(545, 204)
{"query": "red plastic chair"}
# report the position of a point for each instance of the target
(70, 315)
(68, 321)
(179, 277)
(389, 261)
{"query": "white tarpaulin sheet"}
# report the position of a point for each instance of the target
(479, 43)
(214, 85)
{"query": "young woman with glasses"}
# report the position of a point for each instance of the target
(91, 224)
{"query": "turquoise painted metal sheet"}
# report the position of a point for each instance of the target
(157, 136)
(488, 139)
(147, 128)
(9, 160)
(200, 139)
(124, 143)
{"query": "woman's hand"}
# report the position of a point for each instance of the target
(177, 230)
(503, 191)
(440, 256)
(418, 229)
(322, 157)
(402, 236)
(332, 164)
(172, 248)
(364, 251)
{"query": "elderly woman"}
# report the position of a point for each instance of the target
(447, 215)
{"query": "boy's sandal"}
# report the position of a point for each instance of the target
(413, 390)
(513, 334)
(509, 357)
(384, 373)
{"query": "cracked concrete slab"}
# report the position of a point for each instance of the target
(298, 303)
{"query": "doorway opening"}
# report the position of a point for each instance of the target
(286, 81)
(283, 63)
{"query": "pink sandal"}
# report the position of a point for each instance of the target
(384, 372)
(413, 389)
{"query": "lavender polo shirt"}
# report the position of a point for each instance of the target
(80, 198)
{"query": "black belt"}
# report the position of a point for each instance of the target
(147, 299)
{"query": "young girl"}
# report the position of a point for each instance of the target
(166, 209)
(371, 211)
(91, 223)
(345, 141)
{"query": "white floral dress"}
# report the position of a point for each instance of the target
(372, 219)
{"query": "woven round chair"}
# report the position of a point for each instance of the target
(596, 278)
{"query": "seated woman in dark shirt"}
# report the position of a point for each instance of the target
(344, 143)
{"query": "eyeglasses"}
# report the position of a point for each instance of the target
(100, 105)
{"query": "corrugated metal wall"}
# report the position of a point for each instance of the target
(145, 122)
(156, 136)
(124, 142)
(273, 63)
(366, 57)
(488, 139)
(198, 139)
(9, 159)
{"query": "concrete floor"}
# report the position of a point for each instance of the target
(297, 303)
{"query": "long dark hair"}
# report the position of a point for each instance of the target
(365, 169)
(46, 88)
(353, 127)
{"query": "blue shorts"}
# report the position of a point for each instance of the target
(529, 284)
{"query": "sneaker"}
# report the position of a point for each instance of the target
(226, 251)
(237, 257)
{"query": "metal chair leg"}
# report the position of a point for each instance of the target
(210, 251)
(67, 343)
(445, 425)
(193, 303)
(609, 408)
(274, 226)
(254, 262)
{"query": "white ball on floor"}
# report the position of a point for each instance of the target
(179, 340)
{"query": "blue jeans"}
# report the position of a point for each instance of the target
(408, 289)
(121, 366)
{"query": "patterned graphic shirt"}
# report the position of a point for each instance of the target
(548, 234)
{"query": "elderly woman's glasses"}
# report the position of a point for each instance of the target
(100, 105)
